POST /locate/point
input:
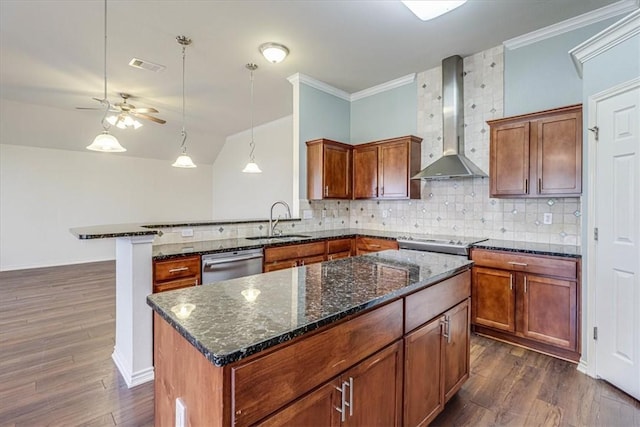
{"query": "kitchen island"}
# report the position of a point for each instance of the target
(369, 340)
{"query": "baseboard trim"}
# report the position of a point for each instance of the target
(132, 378)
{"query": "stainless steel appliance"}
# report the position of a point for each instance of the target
(229, 265)
(454, 245)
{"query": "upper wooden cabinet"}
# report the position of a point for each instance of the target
(537, 155)
(328, 170)
(383, 169)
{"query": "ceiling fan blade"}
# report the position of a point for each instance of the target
(144, 110)
(98, 99)
(89, 108)
(148, 117)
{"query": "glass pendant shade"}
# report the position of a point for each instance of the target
(252, 167)
(274, 52)
(183, 161)
(106, 143)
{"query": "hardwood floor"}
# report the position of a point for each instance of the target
(57, 336)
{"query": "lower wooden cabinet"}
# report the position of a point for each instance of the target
(176, 273)
(436, 364)
(369, 394)
(340, 248)
(365, 245)
(530, 300)
(281, 257)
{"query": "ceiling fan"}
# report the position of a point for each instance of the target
(125, 114)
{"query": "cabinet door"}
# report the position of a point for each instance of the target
(550, 313)
(509, 160)
(493, 298)
(365, 172)
(279, 265)
(337, 172)
(456, 349)
(317, 409)
(393, 170)
(423, 385)
(559, 154)
(374, 389)
(311, 260)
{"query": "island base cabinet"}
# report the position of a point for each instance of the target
(369, 394)
(436, 364)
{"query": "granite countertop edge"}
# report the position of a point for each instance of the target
(546, 249)
(221, 360)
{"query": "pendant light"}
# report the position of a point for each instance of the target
(105, 142)
(252, 166)
(183, 160)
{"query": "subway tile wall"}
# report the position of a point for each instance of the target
(459, 207)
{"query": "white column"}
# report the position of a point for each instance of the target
(133, 352)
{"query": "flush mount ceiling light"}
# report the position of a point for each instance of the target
(252, 166)
(183, 160)
(427, 10)
(274, 52)
(105, 142)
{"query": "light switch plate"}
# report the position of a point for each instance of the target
(307, 214)
(547, 218)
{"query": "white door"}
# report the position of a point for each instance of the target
(617, 256)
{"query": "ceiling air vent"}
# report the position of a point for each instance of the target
(146, 65)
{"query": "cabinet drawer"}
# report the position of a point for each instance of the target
(342, 245)
(265, 384)
(176, 268)
(175, 284)
(338, 255)
(371, 244)
(280, 253)
(546, 265)
(280, 265)
(426, 304)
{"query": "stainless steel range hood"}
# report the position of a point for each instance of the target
(453, 163)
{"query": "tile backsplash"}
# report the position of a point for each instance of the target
(459, 207)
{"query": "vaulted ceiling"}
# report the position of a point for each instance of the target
(52, 60)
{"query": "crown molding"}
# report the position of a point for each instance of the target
(622, 30)
(606, 12)
(392, 84)
(317, 84)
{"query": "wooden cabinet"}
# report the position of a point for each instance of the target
(369, 394)
(281, 257)
(365, 245)
(328, 170)
(340, 248)
(176, 273)
(527, 299)
(383, 169)
(436, 353)
(537, 155)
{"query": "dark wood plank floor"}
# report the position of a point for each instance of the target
(57, 335)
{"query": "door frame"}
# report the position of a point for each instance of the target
(588, 364)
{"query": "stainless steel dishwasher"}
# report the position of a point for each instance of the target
(229, 265)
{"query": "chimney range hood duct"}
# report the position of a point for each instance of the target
(453, 163)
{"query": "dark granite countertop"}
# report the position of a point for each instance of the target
(568, 251)
(126, 230)
(225, 327)
(173, 250)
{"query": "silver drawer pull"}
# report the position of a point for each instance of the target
(521, 264)
(375, 246)
(175, 270)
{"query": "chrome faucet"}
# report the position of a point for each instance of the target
(272, 223)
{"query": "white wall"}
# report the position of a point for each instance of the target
(44, 192)
(238, 195)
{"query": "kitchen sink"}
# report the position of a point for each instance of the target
(279, 237)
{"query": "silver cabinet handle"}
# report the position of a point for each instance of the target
(375, 246)
(350, 404)
(525, 284)
(209, 263)
(326, 191)
(197, 282)
(526, 186)
(343, 402)
(445, 328)
(175, 270)
(521, 264)
(539, 185)
(510, 281)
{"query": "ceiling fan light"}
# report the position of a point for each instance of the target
(112, 120)
(252, 167)
(274, 52)
(183, 161)
(427, 10)
(136, 124)
(128, 121)
(106, 143)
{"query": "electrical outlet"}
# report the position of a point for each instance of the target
(547, 218)
(187, 232)
(307, 214)
(181, 413)
(385, 213)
